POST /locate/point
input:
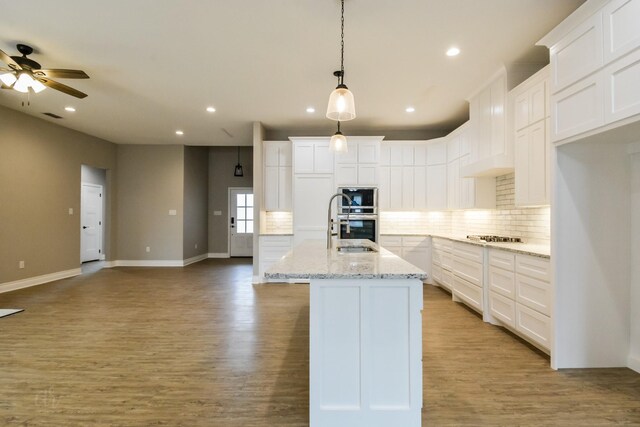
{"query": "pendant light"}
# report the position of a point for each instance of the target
(338, 142)
(341, 103)
(238, 170)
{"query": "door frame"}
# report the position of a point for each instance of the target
(101, 234)
(229, 189)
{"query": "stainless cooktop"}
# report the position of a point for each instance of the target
(494, 239)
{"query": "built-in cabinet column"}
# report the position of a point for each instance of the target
(277, 175)
(359, 166)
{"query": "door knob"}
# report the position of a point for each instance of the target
(84, 226)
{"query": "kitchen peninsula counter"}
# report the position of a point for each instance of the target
(365, 330)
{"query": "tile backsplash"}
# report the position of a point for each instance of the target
(530, 224)
(278, 223)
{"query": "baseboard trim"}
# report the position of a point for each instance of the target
(195, 259)
(634, 363)
(148, 263)
(218, 255)
(39, 280)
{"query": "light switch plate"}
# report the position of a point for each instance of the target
(173, 212)
(70, 211)
(217, 213)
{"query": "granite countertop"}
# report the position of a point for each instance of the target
(276, 234)
(312, 260)
(533, 249)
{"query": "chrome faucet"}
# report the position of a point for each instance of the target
(330, 221)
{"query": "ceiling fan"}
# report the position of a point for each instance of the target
(24, 74)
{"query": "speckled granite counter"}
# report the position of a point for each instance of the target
(312, 260)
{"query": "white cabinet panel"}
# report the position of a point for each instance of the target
(538, 102)
(271, 154)
(277, 176)
(272, 249)
(407, 187)
(437, 187)
(407, 155)
(533, 325)
(395, 154)
(578, 54)
(420, 187)
(323, 161)
(436, 273)
(535, 267)
(502, 282)
(285, 188)
(420, 154)
(468, 270)
(346, 174)
(578, 108)
(621, 29)
(469, 293)
(303, 157)
(468, 251)
(351, 156)
(271, 187)
(384, 189)
(502, 259)
(395, 188)
(311, 196)
(534, 293)
(521, 111)
(623, 87)
(387, 241)
(418, 256)
(368, 152)
(453, 184)
(368, 175)
(437, 152)
(503, 309)
(447, 279)
(532, 175)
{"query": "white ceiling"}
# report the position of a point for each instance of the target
(156, 64)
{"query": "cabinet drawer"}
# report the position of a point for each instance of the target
(578, 108)
(469, 293)
(275, 241)
(503, 309)
(502, 259)
(442, 244)
(621, 30)
(436, 273)
(502, 282)
(622, 94)
(468, 270)
(535, 267)
(390, 241)
(467, 251)
(533, 325)
(415, 241)
(534, 293)
(436, 257)
(447, 261)
(447, 279)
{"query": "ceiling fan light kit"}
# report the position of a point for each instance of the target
(24, 74)
(342, 106)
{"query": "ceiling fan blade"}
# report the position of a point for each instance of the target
(62, 88)
(61, 74)
(9, 61)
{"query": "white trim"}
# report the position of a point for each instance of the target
(218, 255)
(634, 363)
(194, 259)
(148, 263)
(39, 280)
(257, 280)
(109, 264)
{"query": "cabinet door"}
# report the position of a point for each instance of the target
(453, 184)
(284, 154)
(346, 174)
(498, 103)
(368, 152)
(271, 188)
(437, 152)
(417, 256)
(407, 155)
(420, 187)
(310, 203)
(521, 163)
(537, 100)
(437, 187)
(368, 175)
(285, 189)
(395, 188)
(538, 169)
(408, 176)
(578, 108)
(420, 154)
(303, 157)
(621, 29)
(271, 153)
(521, 111)
(622, 90)
(384, 189)
(484, 124)
(467, 187)
(323, 157)
(395, 154)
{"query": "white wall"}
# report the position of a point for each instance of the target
(591, 216)
(634, 350)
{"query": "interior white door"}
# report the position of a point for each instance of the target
(91, 222)
(241, 222)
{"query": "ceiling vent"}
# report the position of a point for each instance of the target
(55, 116)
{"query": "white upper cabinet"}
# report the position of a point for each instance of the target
(277, 175)
(359, 166)
(595, 66)
(490, 151)
(312, 155)
(531, 140)
(436, 174)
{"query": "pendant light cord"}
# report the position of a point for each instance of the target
(342, 45)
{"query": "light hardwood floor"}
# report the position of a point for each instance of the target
(202, 346)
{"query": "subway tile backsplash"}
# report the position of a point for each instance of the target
(530, 224)
(278, 223)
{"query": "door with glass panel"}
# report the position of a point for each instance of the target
(241, 222)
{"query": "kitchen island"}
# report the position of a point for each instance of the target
(365, 333)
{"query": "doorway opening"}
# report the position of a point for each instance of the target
(240, 222)
(93, 184)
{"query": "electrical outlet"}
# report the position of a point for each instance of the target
(21, 264)
(217, 213)
(196, 246)
(173, 212)
(70, 211)
(148, 249)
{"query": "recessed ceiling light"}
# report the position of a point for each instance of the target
(409, 109)
(453, 51)
(70, 109)
(179, 132)
(311, 110)
(211, 110)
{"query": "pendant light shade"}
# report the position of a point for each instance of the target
(238, 170)
(342, 106)
(338, 142)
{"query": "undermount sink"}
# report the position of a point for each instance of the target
(356, 249)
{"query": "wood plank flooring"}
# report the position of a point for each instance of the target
(202, 346)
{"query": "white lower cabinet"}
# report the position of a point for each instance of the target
(413, 249)
(441, 260)
(520, 293)
(272, 249)
(468, 274)
(468, 293)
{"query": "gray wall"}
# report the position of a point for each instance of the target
(40, 174)
(222, 161)
(196, 201)
(151, 182)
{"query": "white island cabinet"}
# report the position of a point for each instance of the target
(365, 328)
